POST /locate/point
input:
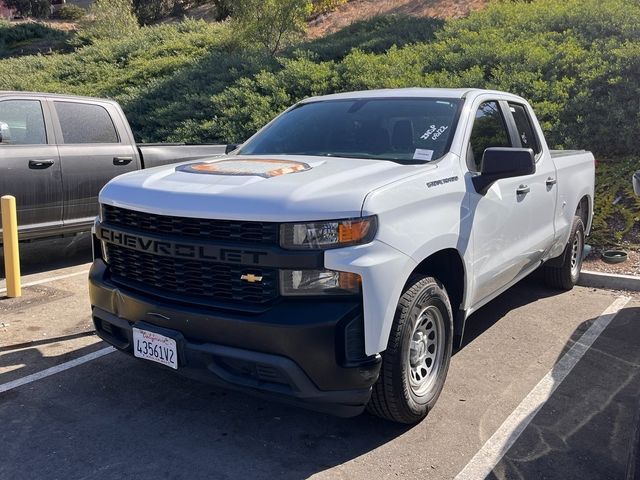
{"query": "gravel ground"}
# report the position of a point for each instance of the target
(630, 267)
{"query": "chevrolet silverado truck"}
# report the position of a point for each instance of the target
(333, 259)
(58, 151)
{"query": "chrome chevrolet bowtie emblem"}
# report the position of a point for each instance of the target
(251, 278)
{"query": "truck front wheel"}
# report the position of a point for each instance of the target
(416, 361)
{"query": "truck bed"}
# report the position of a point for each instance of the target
(566, 153)
(157, 154)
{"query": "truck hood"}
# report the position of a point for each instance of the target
(273, 188)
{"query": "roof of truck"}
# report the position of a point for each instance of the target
(4, 93)
(408, 92)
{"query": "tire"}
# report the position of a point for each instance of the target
(566, 274)
(411, 379)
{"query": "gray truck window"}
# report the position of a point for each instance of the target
(397, 129)
(85, 123)
(22, 123)
(489, 130)
(527, 135)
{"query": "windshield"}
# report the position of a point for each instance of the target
(398, 129)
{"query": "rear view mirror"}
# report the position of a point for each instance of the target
(501, 162)
(636, 182)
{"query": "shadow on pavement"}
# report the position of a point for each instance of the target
(527, 291)
(589, 428)
(51, 254)
(118, 417)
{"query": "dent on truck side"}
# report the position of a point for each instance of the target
(420, 216)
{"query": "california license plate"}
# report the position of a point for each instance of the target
(155, 347)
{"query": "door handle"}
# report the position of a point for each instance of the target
(523, 190)
(40, 164)
(551, 182)
(122, 160)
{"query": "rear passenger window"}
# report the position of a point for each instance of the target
(85, 123)
(22, 123)
(489, 130)
(526, 133)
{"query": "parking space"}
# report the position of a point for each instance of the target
(117, 417)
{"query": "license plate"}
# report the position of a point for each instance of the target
(155, 347)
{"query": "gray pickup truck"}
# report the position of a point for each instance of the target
(57, 152)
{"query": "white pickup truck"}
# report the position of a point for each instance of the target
(333, 259)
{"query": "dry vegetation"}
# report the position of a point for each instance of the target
(357, 10)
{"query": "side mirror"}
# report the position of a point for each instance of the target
(500, 162)
(636, 182)
(231, 147)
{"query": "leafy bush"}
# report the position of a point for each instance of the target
(71, 12)
(30, 8)
(616, 218)
(23, 35)
(108, 19)
(153, 11)
(373, 36)
(324, 6)
(271, 23)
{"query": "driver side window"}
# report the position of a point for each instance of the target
(489, 130)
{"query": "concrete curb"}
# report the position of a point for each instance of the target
(608, 280)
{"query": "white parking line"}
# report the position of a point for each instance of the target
(503, 439)
(53, 370)
(50, 279)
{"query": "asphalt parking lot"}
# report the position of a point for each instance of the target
(545, 386)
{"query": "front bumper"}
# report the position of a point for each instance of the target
(306, 352)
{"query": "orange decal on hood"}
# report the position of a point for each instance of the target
(266, 168)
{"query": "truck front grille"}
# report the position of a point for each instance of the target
(265, 233)
(203, 282)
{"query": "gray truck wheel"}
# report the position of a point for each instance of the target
(566, 274)
(416, 361)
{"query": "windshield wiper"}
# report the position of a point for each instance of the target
(408, 161)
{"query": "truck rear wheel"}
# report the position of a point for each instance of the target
(416, 361)
(565, 275)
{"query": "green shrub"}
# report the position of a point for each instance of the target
(107, 19)
(15, 36)
(616, 218)
(324, 6)
(30, 8)
(71, 12)
(373, 36)
(271, 23)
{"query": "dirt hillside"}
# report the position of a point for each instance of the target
(363, 9)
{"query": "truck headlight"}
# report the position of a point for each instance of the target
(318, 282)
(328, 234)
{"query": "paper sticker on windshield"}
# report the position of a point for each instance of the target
(259, 167)
(421, 154)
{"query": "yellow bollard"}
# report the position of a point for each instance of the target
(10, 245)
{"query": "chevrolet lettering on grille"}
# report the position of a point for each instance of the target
(168, 248)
